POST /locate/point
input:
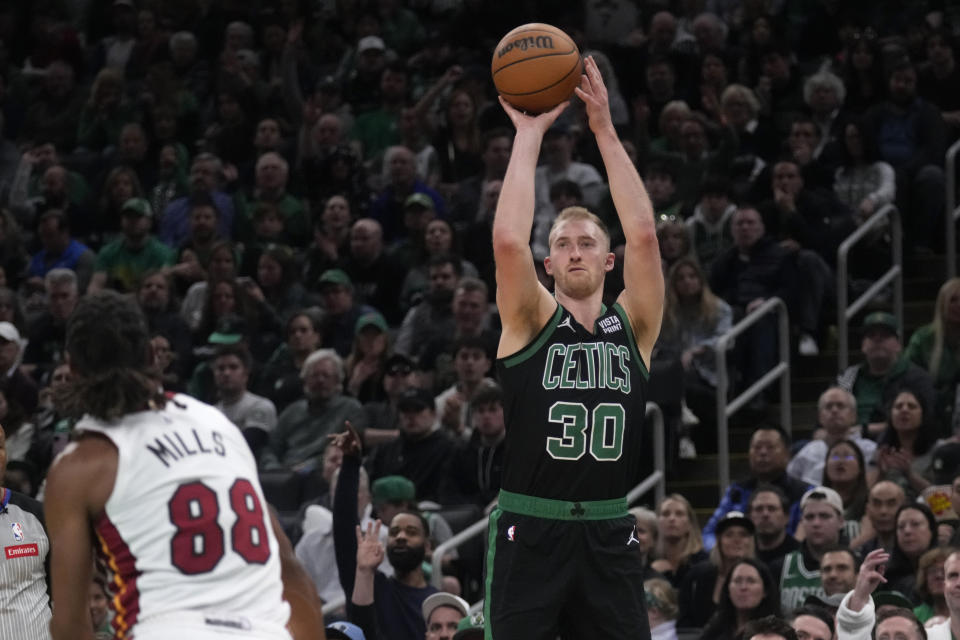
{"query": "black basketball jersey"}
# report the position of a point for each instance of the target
(574, 405)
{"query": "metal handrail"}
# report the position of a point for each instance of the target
(953, 212)
(726, 408)
(894, 274)
(657, 478)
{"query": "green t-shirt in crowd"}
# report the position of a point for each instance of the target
(124, 267)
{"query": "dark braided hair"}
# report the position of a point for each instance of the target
(110, 356)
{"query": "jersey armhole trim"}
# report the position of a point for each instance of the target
(632, 339)
(528, 352)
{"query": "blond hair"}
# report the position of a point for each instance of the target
(577, 213)
(938, 325)
(694, 541)
(662, 596)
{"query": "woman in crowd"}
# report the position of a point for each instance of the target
(863, 181)
(863, 74)
(916, 534)
(702, 587)
(674, 241)
(935, 347)
(280, 379)
(905, 447)
(679, 544)
(277, 283)
(929, 584)
(646, 533)
(229, 297)
(661, 609)
(121, 184)
(439, 239)
(845, 471)
(749, 593)
(365, 364)
(222, 266)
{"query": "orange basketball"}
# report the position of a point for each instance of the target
(536, 67)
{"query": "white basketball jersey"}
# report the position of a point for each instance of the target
(186, 532)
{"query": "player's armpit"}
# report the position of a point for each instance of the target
(306, 616)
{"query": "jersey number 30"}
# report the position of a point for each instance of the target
(606, 426)
(198, 544)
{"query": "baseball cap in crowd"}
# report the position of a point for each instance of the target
(372, 319)
(825, 494)
(418, 200)
(345, 631)
(415, 399)
(735, 519)
(891, 599)
(393, 489)
(946, 463)
(334, 276)
(9, 332)
(230, 329)
(881, 320)
(444, 600)
(470, 628)
(371, 43)
(138, 206)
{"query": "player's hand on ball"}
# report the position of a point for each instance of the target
(594, 95)
(539, 123)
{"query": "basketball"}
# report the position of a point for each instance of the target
(536, 67)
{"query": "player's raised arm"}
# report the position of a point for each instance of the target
(642, 297)
(524, 304)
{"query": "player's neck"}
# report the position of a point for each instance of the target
(584, 310)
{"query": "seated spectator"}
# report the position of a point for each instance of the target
(748, 593)
(934, 348)
(883, 372)
(206, 174)
(798, 573)
(342, 308)
(768, 457)
(838, 572)
(438, 239)
(701, 590)
(679, 545)
(277, 284)
(60, 250)
(758, 140)
(232, 297)
(331, 237)
(647, 534)
(272, 177)
(365, 365)
(662, 609)
(863, 182)
(302, 429)
(929, 587)
(254, 415)
(222, 265)
(467, 201)
(769, 628)
(769, 509)
(121, 263)
(905, 448)
(280, 380)
(709, 226)
(878, 528)
(121, 184)
(472, 361)
(916, 534)
(813, 622)
(395, 602)
(421, 452)
(193, 255)
(377, 129)
(106, 111)
(173, 373)
(376, 275)
(836, 415)
(41, 180)
(268, 227)
(476, 465)
(433, 316)
(845, 471)
(20, 390)
(47, 331)
(674, 241)
(419, 210)
(345, 176)
(399, 374)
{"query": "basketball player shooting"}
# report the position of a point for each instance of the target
(562, 554)
(166, 491)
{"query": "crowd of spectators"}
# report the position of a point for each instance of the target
(300, 194)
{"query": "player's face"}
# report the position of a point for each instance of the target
(837, 573)
(913, 533)
(443, 623)
(229, 374)
(746, 587)
(821, 522)
(885, 499)
(674, 521)
(767, 514)
(579, 258)
(811, 628)
(736, 542)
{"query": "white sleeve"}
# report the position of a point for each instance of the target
(855, 625)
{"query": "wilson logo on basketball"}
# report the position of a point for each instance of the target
(21, 551)
(535, 42)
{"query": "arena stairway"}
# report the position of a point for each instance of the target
(696, 479)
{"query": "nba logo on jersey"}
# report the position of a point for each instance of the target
(511, 532)
(17, 531)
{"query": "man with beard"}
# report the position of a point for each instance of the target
(121, 263)
(203, 235)
(433, 316)
(206, 174)
(375, 601)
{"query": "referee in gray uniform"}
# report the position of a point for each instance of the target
(24, 567)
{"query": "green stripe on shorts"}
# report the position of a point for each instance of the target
(562, 509)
